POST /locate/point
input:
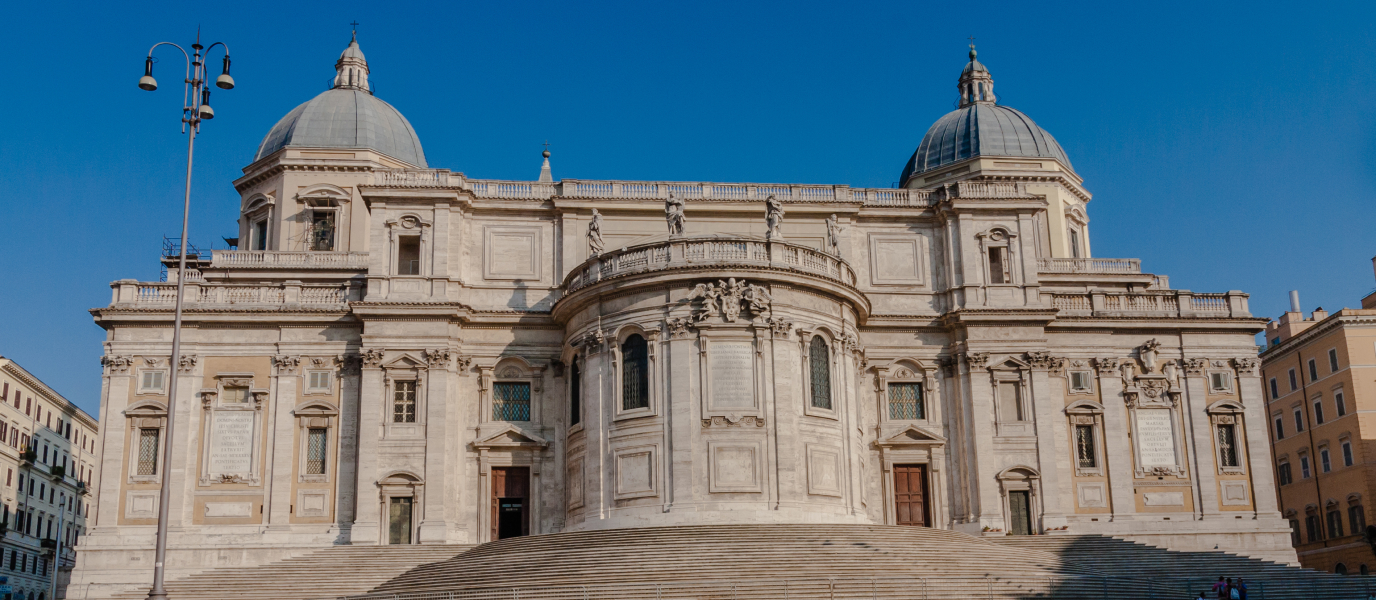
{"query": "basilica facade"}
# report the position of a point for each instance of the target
(401, 354)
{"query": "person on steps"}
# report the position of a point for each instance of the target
(1220, 589)
(1241, 587)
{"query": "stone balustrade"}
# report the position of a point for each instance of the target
(1089, 265)
(1163, 303)
(128, 293)
(249, 259)
(692, 252)
(694, 190)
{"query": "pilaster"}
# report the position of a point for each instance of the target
(433, 527)
(281, 449)
(1118, 443)
(989, 510)
(1258, 441)
(1201, 434)
(367, 528)
(1052, 437)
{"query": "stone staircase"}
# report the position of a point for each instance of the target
(1123, 558)
(328, 572)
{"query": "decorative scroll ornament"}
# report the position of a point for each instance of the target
(117, 364)
(733, 421)
(727, 298)
(780, 327)
(286, 365)
(463, 362)
(1195, 366)
(1043, 360)
(372, 357)
(593, 340)
(977, 360)
(1106, 366)
(438, 357)
(186, 363)
(348, 364)
(678, 327)
(1246, 365)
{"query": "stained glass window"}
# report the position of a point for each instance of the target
(905, 401)
(635, 374)
(819, 359)
(511, 401)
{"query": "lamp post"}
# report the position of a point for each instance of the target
(195, 108)
(57, 549)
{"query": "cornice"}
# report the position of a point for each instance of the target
(1334, 321)
(13, 369)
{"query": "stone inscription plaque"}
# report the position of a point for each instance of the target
(1155, 438)
(733, 375)
(231, 448)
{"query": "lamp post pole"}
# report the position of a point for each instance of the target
(57, 550)
(195, 108)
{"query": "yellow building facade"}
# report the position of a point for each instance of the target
(1320, 377)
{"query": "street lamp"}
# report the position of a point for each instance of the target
(195, 108)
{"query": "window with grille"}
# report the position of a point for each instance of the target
(635, 373)
(404, 402)
(511, 401)
(905, 401)
(315, 450)
(235, 395)
(319, 381)
(148, 451)
(819, 363)
(1085, 453)
(1080, 381)
(575, 394)
(1227, 445)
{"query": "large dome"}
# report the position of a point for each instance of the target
(347, 116)
(980, 128)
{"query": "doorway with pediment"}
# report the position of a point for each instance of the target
(912, 459)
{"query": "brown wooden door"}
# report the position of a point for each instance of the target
(510, 502)
(910, 494)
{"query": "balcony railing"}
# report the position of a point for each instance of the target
(1163, 303)
(685, 252)
(249, 259)
(130, 293)
(1089, 265)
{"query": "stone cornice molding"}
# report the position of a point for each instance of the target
(1323, 327)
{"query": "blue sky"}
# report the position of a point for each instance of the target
(1228, 146)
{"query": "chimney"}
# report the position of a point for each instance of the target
(1295, 299)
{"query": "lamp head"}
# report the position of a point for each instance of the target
(224, 81)
(147, 82)
(207, 113)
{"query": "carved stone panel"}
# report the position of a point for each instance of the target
(734, 466)
(731, 367)
(512, 253)
(823, 471)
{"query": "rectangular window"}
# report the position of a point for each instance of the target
(905, 402)
(511, 401)
(998, 265)
(1275, 391)
(1356, 518)
(1074, 242)
(236, 395)
(315, 451)
(1293, 384)
(1081, 381)
(1280, 427)
(1333, 360)
(1284, 473)
(9, 478)
(404, 402)
(1347, 453)
(1085, 451)
(1304, 467)
(1318, 412)
(1227, 445)
(4, 395)
(1313, 371)
(322, 230)
(575, 393)
(1323, 460)
(1311, 526)
(1340, 403)
(408, 255)
(319, 381)
(1219, 382)
(1299, 421)
(1335, 524)
(152, 381)
(258, 238)
(1010, 401)
(148, 451)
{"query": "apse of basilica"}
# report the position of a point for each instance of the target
(400, 354)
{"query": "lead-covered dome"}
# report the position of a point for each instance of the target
(980, 128)
(347, 116)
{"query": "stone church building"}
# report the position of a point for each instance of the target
(401, 354)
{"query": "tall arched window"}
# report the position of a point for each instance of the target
(819, 359)
(575, 393)
(635, 373)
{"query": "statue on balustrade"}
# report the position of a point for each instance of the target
(595, 244)
(673, 213)
(834, 235)
(773, 218)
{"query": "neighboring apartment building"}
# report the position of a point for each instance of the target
(47, 465)
(1320, 373)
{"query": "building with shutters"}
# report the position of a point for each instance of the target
(47, 462)
(1319, 375)
(402, 354)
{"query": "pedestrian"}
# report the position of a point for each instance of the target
(1219, 589)
(1233, 592)
(1203, 595)
(1242, 589)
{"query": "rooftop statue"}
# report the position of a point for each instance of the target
(595, 244)
(773, 218)
(673, 213)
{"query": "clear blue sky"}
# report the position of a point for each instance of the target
(1230, 147)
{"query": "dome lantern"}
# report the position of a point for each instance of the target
(976, 84)
(352, 69)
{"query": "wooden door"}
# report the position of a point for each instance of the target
(1020, 513)
(910, 495)
(510, 491)
(399, 521)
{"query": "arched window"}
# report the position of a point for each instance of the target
(1340, 569)
(635, 373)
(575, 393)
(819, 358)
